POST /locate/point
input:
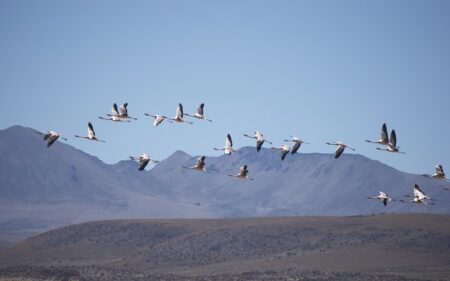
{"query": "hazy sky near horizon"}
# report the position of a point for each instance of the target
(322, 70)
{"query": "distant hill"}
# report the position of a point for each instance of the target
(302, 184)
(43, 188)
(385, 247)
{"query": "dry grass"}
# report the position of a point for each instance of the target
(388, 247)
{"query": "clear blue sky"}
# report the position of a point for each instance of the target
(322, 70)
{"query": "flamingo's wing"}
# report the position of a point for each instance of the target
(384, 133)
(284, 153)
(418, 192)
(143, 163)
(259, 144)
(339, 150)
(228, 141)
(200, 109)
(158, 120)
(91, 132)
(179, 113)
(52, 140)
(393, 139)
(114, 109)
(201, 160)
(296, 147)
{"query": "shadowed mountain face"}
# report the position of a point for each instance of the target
(302, 184)
(42, 188)
(386, 247)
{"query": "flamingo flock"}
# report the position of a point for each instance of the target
(387, 143)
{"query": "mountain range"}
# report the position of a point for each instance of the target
(43, 188)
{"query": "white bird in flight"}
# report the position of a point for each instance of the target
(284, 149)
(228, 148)
(243, 171)
(143, 160)
(419, 197)
(121, 113)
(438, 174)
(114, 118)
(91, 134)
(179, 115)
(392, 146)
(259, 140)
(384, 140)
(51, 137)
(199, 113)
(199, 166)
(158, 119)
(340, 148)
(297, 143)
(383, 197)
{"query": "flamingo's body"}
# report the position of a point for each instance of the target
(114, 118)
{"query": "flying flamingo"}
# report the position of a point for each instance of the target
(419, 197)
(297, 143)
(143, 159)
(199, 166)
(438, 174)
(179, 115)
(91, 134)
(243, 171)
(259, 140)
(114, 118)
(228, 148)
(284, 149)
(384, 140)
(51, 137)
(158, 119)
(199, 114)
(383, 197)
(340, 148)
